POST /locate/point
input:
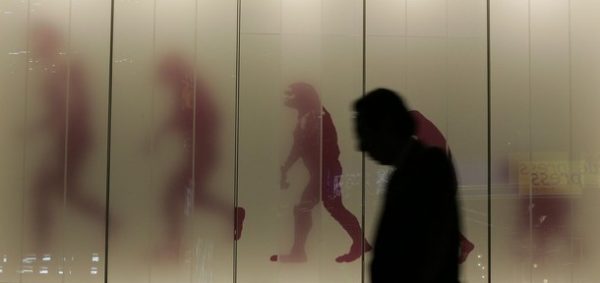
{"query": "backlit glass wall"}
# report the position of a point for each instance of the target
(544, 141)
(434, 54)
(54, 106)
(173, 141)
(212, 140)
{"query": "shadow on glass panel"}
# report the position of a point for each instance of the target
(430, 135)
(66, 122)
(315, 143)
(418, 234)
(193, 119)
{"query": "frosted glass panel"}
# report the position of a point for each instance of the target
(225, 110)
(438, 63)
(173, 142)
(13, 87)
(133, 189)
(297, 81)
(54, 125)
(543, 149)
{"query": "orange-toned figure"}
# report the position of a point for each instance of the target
(193, 119)
(315, 143)
(430, 135)
(67, 121)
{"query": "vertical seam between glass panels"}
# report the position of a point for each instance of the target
(489, 143)
(108, 139)
(363, 90)
(237, 132)
(24, 154)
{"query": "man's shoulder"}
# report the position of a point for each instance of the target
(426, 155)
(428, 163)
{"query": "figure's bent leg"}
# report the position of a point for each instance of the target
(466, 247)
(332, 200)
(215, 204)
(75, 197)
(174, 201)
(88, 205)
(47, 186)
(302, 225)
(240, 216)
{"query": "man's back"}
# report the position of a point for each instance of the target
(417, 239)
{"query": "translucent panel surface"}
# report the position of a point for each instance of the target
(300, 174)
(222, 132)
(543, 152)
(173, 141)
(55, 111)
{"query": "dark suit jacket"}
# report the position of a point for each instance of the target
(417, 239)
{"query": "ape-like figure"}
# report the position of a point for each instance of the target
(193, 119)
(67, 121)
(429, 134)
(315, 143)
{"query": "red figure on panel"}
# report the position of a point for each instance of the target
(315, 143)
(430, 135)
(193, 119)
(68, 124)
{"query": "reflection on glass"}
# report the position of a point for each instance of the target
(193, 119)
(315, 143)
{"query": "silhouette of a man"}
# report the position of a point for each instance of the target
(316, 144)
(418, 235)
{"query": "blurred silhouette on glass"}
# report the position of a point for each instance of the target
(315, 143)
(193, 119)
(67, 121)
(430, 135)
(418, 234)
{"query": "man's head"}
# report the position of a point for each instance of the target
(383, 125)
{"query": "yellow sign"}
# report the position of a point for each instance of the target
(551, 177)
